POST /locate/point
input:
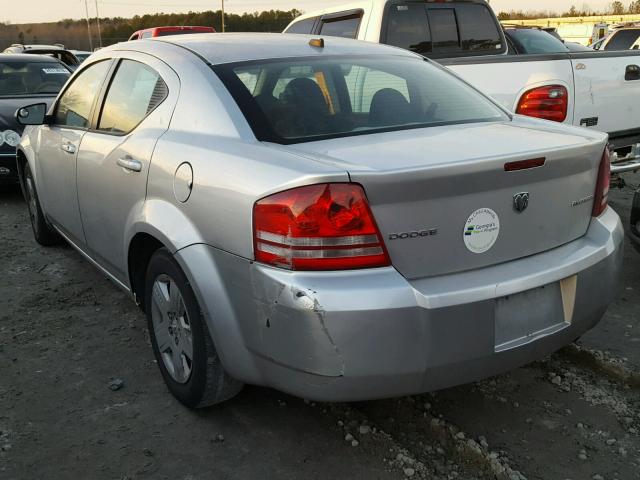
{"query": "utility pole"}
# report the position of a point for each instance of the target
(98, 20)
(222, 16)
(86, 9)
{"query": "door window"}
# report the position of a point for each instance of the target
(74, 107)
(622, 40)
(302, 26)
(135, 91)
(346, 27)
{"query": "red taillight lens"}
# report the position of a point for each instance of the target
(549, 103)
(318, 227)
(601, 197)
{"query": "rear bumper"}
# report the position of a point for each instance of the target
(8, 168)
(344, 336)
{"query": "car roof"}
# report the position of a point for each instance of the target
(31, 58)
(218, 48)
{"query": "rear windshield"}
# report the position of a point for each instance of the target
(441, 30)
(296, 100)
(535, 41)
(622, 40)
(37, 78)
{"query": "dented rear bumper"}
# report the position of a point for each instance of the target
(355, 335)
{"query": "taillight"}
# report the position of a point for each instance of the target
(549, 103)
(318, 227)
(601, 197)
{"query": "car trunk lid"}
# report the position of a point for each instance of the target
(444, 202)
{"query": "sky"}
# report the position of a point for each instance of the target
(28, 11)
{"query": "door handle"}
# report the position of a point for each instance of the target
(68, 147)
(632, 72)
(130, 164)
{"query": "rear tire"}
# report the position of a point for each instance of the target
(181, 341)
(43, 232)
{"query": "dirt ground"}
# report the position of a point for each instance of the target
(66, 332)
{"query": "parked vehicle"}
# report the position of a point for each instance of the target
(600, 92)
(321, 234)
(620, 39)
(81, 55)
(528, 41)
(531, 40)
(577, 47)
(24, 79)
(56, 51)
(166, 31)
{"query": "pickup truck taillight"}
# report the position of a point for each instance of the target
(549, 103)
(601, 197)
(318, 227)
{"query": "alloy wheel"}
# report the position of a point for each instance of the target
(172, 328)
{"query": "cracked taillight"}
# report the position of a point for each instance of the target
(318, 227)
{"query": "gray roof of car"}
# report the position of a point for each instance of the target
(218, 48)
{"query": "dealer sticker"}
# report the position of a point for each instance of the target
(481, 230)
(54, 70)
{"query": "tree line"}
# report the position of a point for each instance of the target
(73, 33)
(614, 8)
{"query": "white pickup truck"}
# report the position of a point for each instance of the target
(597, 90)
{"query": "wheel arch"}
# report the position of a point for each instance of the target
(155, 224)
(141, 248)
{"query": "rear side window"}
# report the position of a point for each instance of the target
(146, 35)
(302, 26)
(346, 27)
(622, 40)
(451, 29)
(135, 91)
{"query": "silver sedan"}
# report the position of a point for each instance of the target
(336, 219)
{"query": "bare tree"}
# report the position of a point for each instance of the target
(616, 8)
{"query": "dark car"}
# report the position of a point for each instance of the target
(24, 80)
(532, 40)
(56, 51)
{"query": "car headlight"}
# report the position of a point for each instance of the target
(11, 138)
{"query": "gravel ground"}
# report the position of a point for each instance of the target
(67, 335)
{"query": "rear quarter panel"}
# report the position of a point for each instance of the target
(231, 169)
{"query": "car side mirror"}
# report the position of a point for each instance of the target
(32, 114)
